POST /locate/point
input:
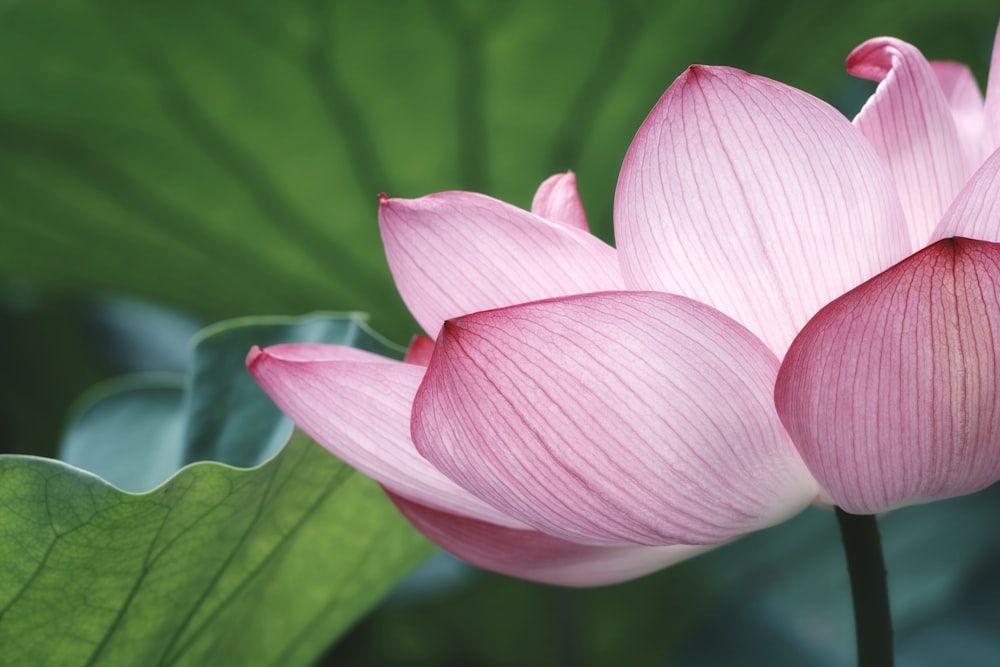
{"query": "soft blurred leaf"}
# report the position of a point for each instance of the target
(229, 418)
(137, 431)
(137, 336)
(132, 432)
(218, 566)
(493, 621)
(49, 361)
(963, 629)
(781, 596)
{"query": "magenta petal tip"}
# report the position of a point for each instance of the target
(252, 356)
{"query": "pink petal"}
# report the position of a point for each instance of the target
(910, 123)
(357, 405)
(737, 187)
(457, 252)
(304, 352)
(420, 350)
(974, 212)
(992, 104)
(966, 103)
(890, 392)
(557, 200)
(528, 554)
(622, 417)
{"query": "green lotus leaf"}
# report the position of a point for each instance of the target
(216, 565)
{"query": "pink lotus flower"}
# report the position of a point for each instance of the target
(582, 415)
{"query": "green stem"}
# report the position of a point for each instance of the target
(872, 620)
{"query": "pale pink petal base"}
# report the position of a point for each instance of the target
(536, 556)
(892, 392)
(614, 418)
(910, 124)
(755, 198)
(357, 405)
(458, 252)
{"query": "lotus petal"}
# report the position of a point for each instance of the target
(536, 556)
(459, 252)
(891, 391)
(966, 103)
(910, 123)
(557, 200)
(755, 198)
(613, 418)
(357, 405)
(974, 213)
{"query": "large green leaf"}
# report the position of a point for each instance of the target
(216, 565)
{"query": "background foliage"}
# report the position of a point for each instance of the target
(223, 158)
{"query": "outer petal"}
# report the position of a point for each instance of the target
(612, 418)
(992, 105)
(737, 187)
(528, 554)
(910, 123)
(891, 392)
(974, 211)
(420, 350)
(966, 103)
(557, 200)
(457, 252)
(357, 405)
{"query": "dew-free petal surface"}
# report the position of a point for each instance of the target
(529, 554)
(975, 213)
(558, 200)
(357, 405)
(891, 392)
(910, 123)
(966, 103)
(420, 350)
(454, 253)
(613, 418)
(737, 186)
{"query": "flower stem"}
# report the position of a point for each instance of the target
(872, 620)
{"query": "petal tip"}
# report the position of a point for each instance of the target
(873, 58)
(253, 356)
(450, 328)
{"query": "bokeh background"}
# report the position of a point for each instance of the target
(166, 165)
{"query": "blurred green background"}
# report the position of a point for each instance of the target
(166, 165)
